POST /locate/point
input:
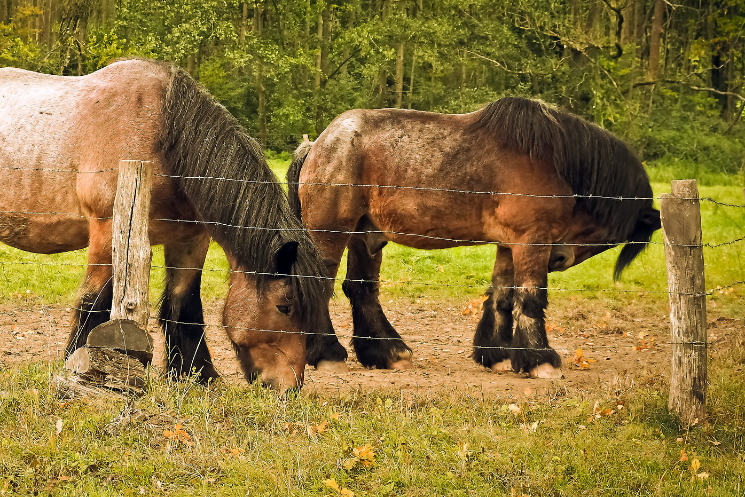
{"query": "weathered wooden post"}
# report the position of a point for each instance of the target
(681, 225)
(130, 248)
(117, 351)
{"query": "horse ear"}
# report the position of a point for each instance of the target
(285, 257)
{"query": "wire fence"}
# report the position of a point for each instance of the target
(5, 264)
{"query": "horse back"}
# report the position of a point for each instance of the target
(60, 142)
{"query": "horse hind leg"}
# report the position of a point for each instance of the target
(94, 305)
(493, 336)
(181, 314)
(375, 341)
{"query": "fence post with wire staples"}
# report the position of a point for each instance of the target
(681, 227)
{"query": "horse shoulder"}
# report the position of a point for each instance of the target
(537, 203)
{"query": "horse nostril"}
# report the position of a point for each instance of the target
(558, 261)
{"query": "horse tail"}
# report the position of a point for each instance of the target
(646, 224)
(293, 175)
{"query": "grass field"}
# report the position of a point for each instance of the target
(183, 439)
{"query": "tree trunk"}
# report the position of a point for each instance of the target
(400, 75)
(82, 37)
(244, 20)
(48, 21)
(592, 24)
(318, 124)
(260, 91)
(325, 45)
(319, 56)
(382, 71)
(653, 70)
(627, 31)
(411, 75)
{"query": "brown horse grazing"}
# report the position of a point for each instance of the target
(375, 176)
(60, 142)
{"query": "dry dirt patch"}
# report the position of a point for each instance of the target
(620, 346)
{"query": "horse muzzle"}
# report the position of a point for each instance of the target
(562, 257)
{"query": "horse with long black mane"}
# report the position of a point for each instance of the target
(541, 184)
(60, 142)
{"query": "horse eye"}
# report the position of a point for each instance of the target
(284, 309)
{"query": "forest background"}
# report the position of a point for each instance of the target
(667, 76)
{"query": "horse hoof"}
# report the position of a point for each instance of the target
(332, 366)
(546, 371)
(504, 366)
(403, 361)
(402, 364)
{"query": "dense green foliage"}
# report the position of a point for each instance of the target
(287, 68)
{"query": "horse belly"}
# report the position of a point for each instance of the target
(43, 234)
(427, 221)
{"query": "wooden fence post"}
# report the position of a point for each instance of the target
(681, 226)
(117, 351)
(130, 249)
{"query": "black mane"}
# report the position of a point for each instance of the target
(246, 212)
(591, 160)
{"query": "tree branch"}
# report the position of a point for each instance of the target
(338, 68)
(507, 69)
(690, 87)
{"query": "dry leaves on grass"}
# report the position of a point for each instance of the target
(317, 429)
(178, 434)
(530, 427)
(473, 308)
(599, 412)
(343, 492)
(579, 361)
(361, 456)
(552, 328)
(644, 343)
(695, 465)
(293, 428)
(236, 452)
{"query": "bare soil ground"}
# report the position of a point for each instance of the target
(621, 345)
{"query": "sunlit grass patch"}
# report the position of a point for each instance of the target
(184, 439)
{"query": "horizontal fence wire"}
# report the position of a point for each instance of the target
(608, 244)
(383, 186)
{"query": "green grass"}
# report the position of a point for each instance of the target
(249, 441)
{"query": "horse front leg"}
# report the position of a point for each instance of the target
(531, 352)
(94, 306)
(493, 336)
(375, 341)
(181, 315)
